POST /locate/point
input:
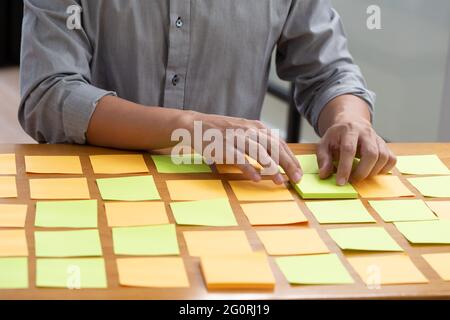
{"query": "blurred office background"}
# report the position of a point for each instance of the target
(407, 63)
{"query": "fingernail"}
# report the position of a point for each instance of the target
(297, 176)
(256, 177)
(341, 181)
(279, 179)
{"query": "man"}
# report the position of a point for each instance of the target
(132, 72)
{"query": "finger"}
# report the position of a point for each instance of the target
(392, 161)
(347, 152)
(324, 159)
(289, 163)
(369, 157)
(247, 169)
(383, 157)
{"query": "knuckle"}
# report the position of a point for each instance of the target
(348, 147)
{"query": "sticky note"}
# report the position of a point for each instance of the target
(364, 239)
(201, 243)
(308, 163)
(425, 232)
(71, 273)
(312, 187)
(264, 190)
(292, 241)
(154, 272)
(195, 189)
(385, 269)
(79, 243)
(66, 214)
(13, 273)
(440, 208)
(402, 210)
(314, 269)
(13, 243)
(13, 215)
(131, 214)
(60, 188)
(433, 187)
(138, 188)
(440, 262)
(8, 163)
(189, 163)
(53, 164)
(148, 240)
(8, 188)
(118, 164)
(340, 211)
(273, 213)
(422, 164)
(382, 186)
(240, 271)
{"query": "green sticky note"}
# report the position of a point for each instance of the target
(426, 232)
(138, 188)
(189, 163)
(364, 239)
(214, 213)
(71, 273)
(308, 163)
(79, 243)
(403, 210)
(436, 187)
(340, 211)
(314, 269)
(312, 187)
(423, 164)
(13, 273)
(149, 240)
(66, 214)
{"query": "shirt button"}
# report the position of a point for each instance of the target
(179, 23)
(175, 79)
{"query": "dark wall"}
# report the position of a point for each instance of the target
(11, 12)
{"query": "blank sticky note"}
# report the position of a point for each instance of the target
(364, 239)
(264, 190)
(382, 186)
(79, 243)
(440, 208)
(8, 163)
(421, 164)
(189, 163)
(308, 163)
(154, 272)
(312, 187)
(433, 187)
(340, 211)
(314, 269)
(273, 213)
(201, 243)
(71, 273)
(402, 210)
(426, 232)
(385, 269)
(138, 188)
(118, 164)
(195, 189)
(240, 271)
(13, 273)
(440, 262)
(130, 214)
(148, 240)
(13, 243)
(8, 188)
(53, 164)
(292, 241)
(66, 214)
(13, 215)
(60, 188)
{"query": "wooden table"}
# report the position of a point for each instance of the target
(436, 288)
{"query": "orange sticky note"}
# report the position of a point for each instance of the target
(118, 164)
(273, 213)
(440, 208)
(154, 272)
(440, 262)
(8, 163)
(13, 243)
(201, 243)
(292, 241)
(13, 215)
(129, 214)
(382, 186)
(8, 187)
(53, 164)
(195, 189)
(264, 190)
(380, 269)
(60, 188)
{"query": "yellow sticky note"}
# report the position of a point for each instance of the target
(382, 186)
(273, 213)
(8, 163)
(381, 269)
(292, 241)
(13, 215)
(421, 164)
(440, 262)
(118, 164)
(195, 189)
(8, 188)
(53, 164)
(433, 187)
(264, 190)
(62, 188)
(201, 243)
(129, 214)
(440, 208)
(154, 272)
(13, 243)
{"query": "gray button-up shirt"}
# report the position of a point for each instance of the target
(211, 56)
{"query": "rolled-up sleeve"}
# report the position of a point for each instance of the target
(312, 52)
(57, 97)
